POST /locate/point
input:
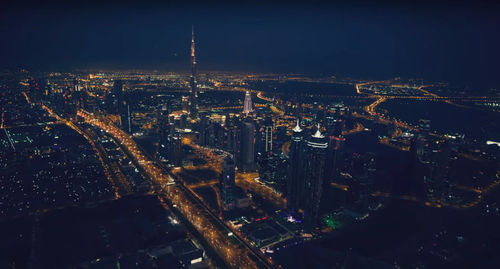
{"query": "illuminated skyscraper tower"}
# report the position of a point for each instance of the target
(185, 103)
(247, 104)
(295, 174)
(247, 138)
(314, 166)
(193, 97)
(306, 172)
(268, 134)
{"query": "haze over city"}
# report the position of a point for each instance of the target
(436, 41)
(257, 135)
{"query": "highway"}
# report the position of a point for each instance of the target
(246, 181)
(358, 128)
(201, 217)
(205, 220)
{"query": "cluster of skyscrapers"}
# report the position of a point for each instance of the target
(306, 173)
(249, 139)
(169, 140)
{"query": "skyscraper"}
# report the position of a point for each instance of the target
(233, 137)
(193, 96)
(227, 183)
(125, 119)
(247, 104)
(117, 104)
(176, 149)
(273, 171)
(306, 172)
(247, 142)
(314, 168)
(268, 131)
(295, 179)
(163, 131)
(185, 103)
(114, 100)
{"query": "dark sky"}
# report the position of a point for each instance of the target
(458, 43)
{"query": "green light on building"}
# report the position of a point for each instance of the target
(330, 221)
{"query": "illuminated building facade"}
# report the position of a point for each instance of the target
(268, 134)
(247, 104)
(193, 96)
(314, 167)
(306, 174)
(185, 103)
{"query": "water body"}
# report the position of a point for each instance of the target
(406, 233)
(445, 118)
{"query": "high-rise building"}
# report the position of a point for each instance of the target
(227, 182)
(247, 145)
(175, 154)
(185, 103)
(273, 171)
(163, 131)
(193, 96)
(117, 104)
(306, 174)
(203, 129)
(268, 134)
(125, 117)
(260, 142)
(114, 99)
(220, 136)
(169, 141)
(314, 167)
(233, 138)
(295, 184)
(247, 104)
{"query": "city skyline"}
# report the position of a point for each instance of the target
(137, 167)
(441, 42)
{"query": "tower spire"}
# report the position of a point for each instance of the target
(193, 56)
(247, 104)
(297, 128)
(318, 133)
(193, 97)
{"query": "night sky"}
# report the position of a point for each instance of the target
(457, 43)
